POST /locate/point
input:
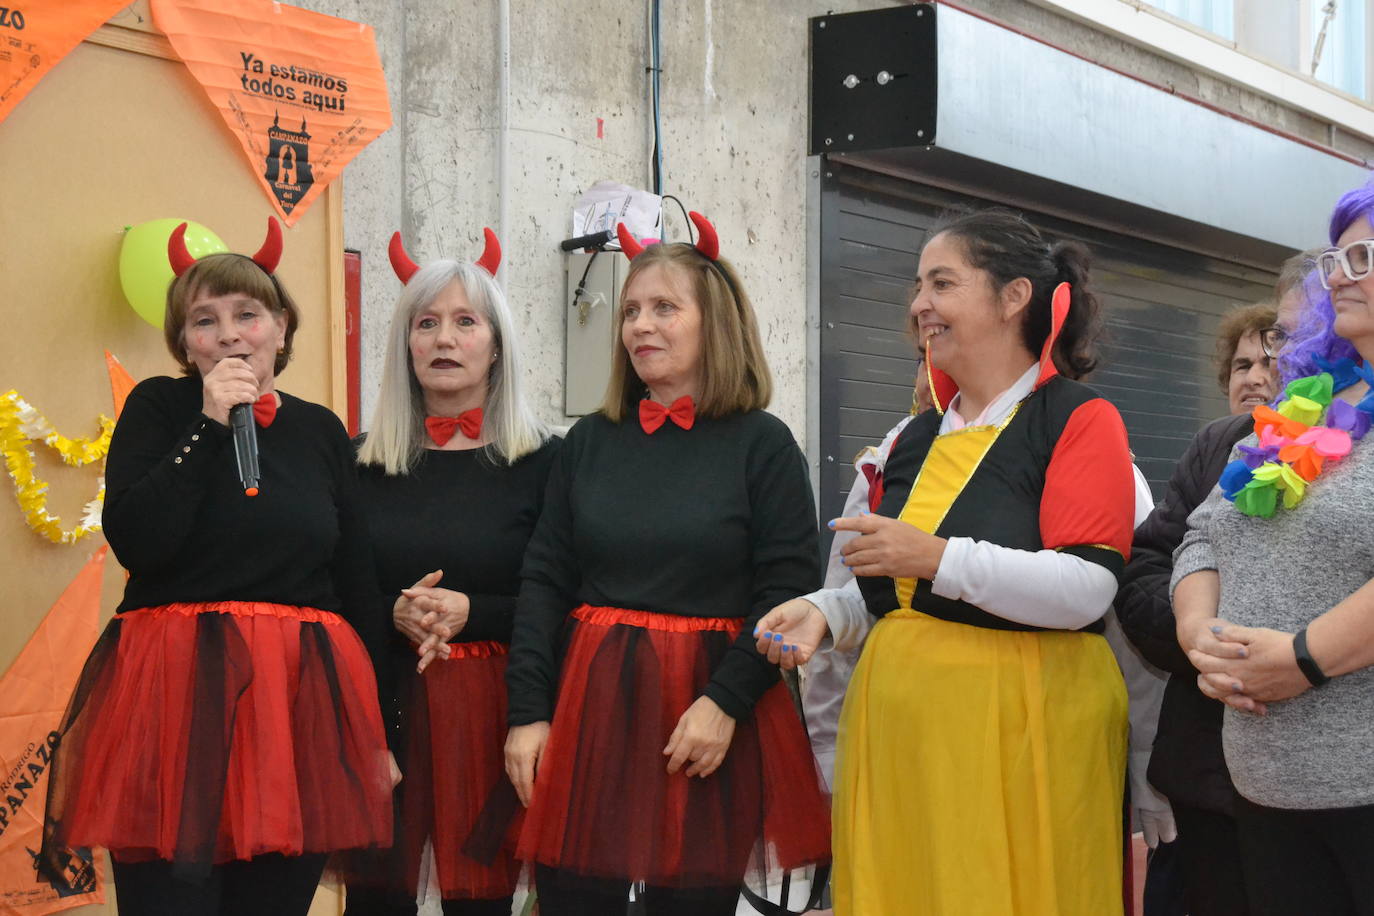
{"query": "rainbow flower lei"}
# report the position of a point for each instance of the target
(1292, 448)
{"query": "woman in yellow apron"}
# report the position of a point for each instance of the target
(982, 747)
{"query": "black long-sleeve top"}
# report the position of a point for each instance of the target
(179, 522)
(715, 521)
(463, 513)
(1187, 764)
(1142, 604)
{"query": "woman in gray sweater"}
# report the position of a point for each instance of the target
(1273, 591)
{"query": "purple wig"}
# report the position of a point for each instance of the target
(1315, 336)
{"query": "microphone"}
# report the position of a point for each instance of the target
(596, 240)
(245, 432)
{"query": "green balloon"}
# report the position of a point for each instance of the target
(144, 271)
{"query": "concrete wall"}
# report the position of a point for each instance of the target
(734, 120)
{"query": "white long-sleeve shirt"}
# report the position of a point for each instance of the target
(1043, 588)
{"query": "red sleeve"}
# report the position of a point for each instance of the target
(1089, 498)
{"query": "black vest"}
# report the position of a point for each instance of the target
(1000, 504)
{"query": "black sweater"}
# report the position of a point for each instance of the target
(180, 523)
(462, 513)
(716, 521)
(1187, 764)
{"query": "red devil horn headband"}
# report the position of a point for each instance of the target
(628, 243)
(491, 252)
(708, 242)
(405, 268)
(177, 254)
(268, 256)
(400, 261)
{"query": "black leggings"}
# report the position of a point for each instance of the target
(1209, 857)
(369, 902)
(1308, 862)
(275, 884)
(561, 894)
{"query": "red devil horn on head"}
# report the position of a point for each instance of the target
(269, 255)
(177, 254)
(628, 243)
(400, 261)
(491, 254)
(708, 243)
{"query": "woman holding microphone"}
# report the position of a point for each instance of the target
(225, 734)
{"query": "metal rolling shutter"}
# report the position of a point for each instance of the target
(1161, 309)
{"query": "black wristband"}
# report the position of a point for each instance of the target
(1309, 668)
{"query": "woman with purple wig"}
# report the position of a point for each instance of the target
(1273, 591)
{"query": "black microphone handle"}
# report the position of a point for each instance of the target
(595, 240)
(245, 432)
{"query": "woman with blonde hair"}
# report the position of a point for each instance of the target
(656, 751)
(453, 471)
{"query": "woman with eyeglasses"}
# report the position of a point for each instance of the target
(1245, 370)
(1274, 602)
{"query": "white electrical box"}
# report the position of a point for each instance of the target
(589, 327)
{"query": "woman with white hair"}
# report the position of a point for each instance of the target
(452, 476)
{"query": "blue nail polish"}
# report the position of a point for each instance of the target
(1235, 685)
(787, 648)
(830, 524)
(1244, 653)
(1216, 630)
(777, 637)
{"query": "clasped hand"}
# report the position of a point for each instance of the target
(430, 616)
(1244, 667)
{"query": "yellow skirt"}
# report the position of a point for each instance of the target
(980, 773)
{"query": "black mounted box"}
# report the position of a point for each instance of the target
(873, 79)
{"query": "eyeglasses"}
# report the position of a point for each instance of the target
(1272, 340)
(1355, 260)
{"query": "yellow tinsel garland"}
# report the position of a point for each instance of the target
(20, 426)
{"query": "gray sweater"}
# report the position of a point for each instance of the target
(1317, 749)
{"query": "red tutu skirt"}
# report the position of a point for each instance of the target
(454, 761)
(204, 733)
(604, 803)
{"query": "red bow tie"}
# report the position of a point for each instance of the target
(265, 409)
(441, 429)
(652, 414)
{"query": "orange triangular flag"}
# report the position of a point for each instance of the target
(302, 92)
(33, 697)
(121, 382)
(35, 35)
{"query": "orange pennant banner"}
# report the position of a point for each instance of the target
(121, 382)
(303, 92)
(36, 34)
(33, 697)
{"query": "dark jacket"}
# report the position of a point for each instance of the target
(1187, 764)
